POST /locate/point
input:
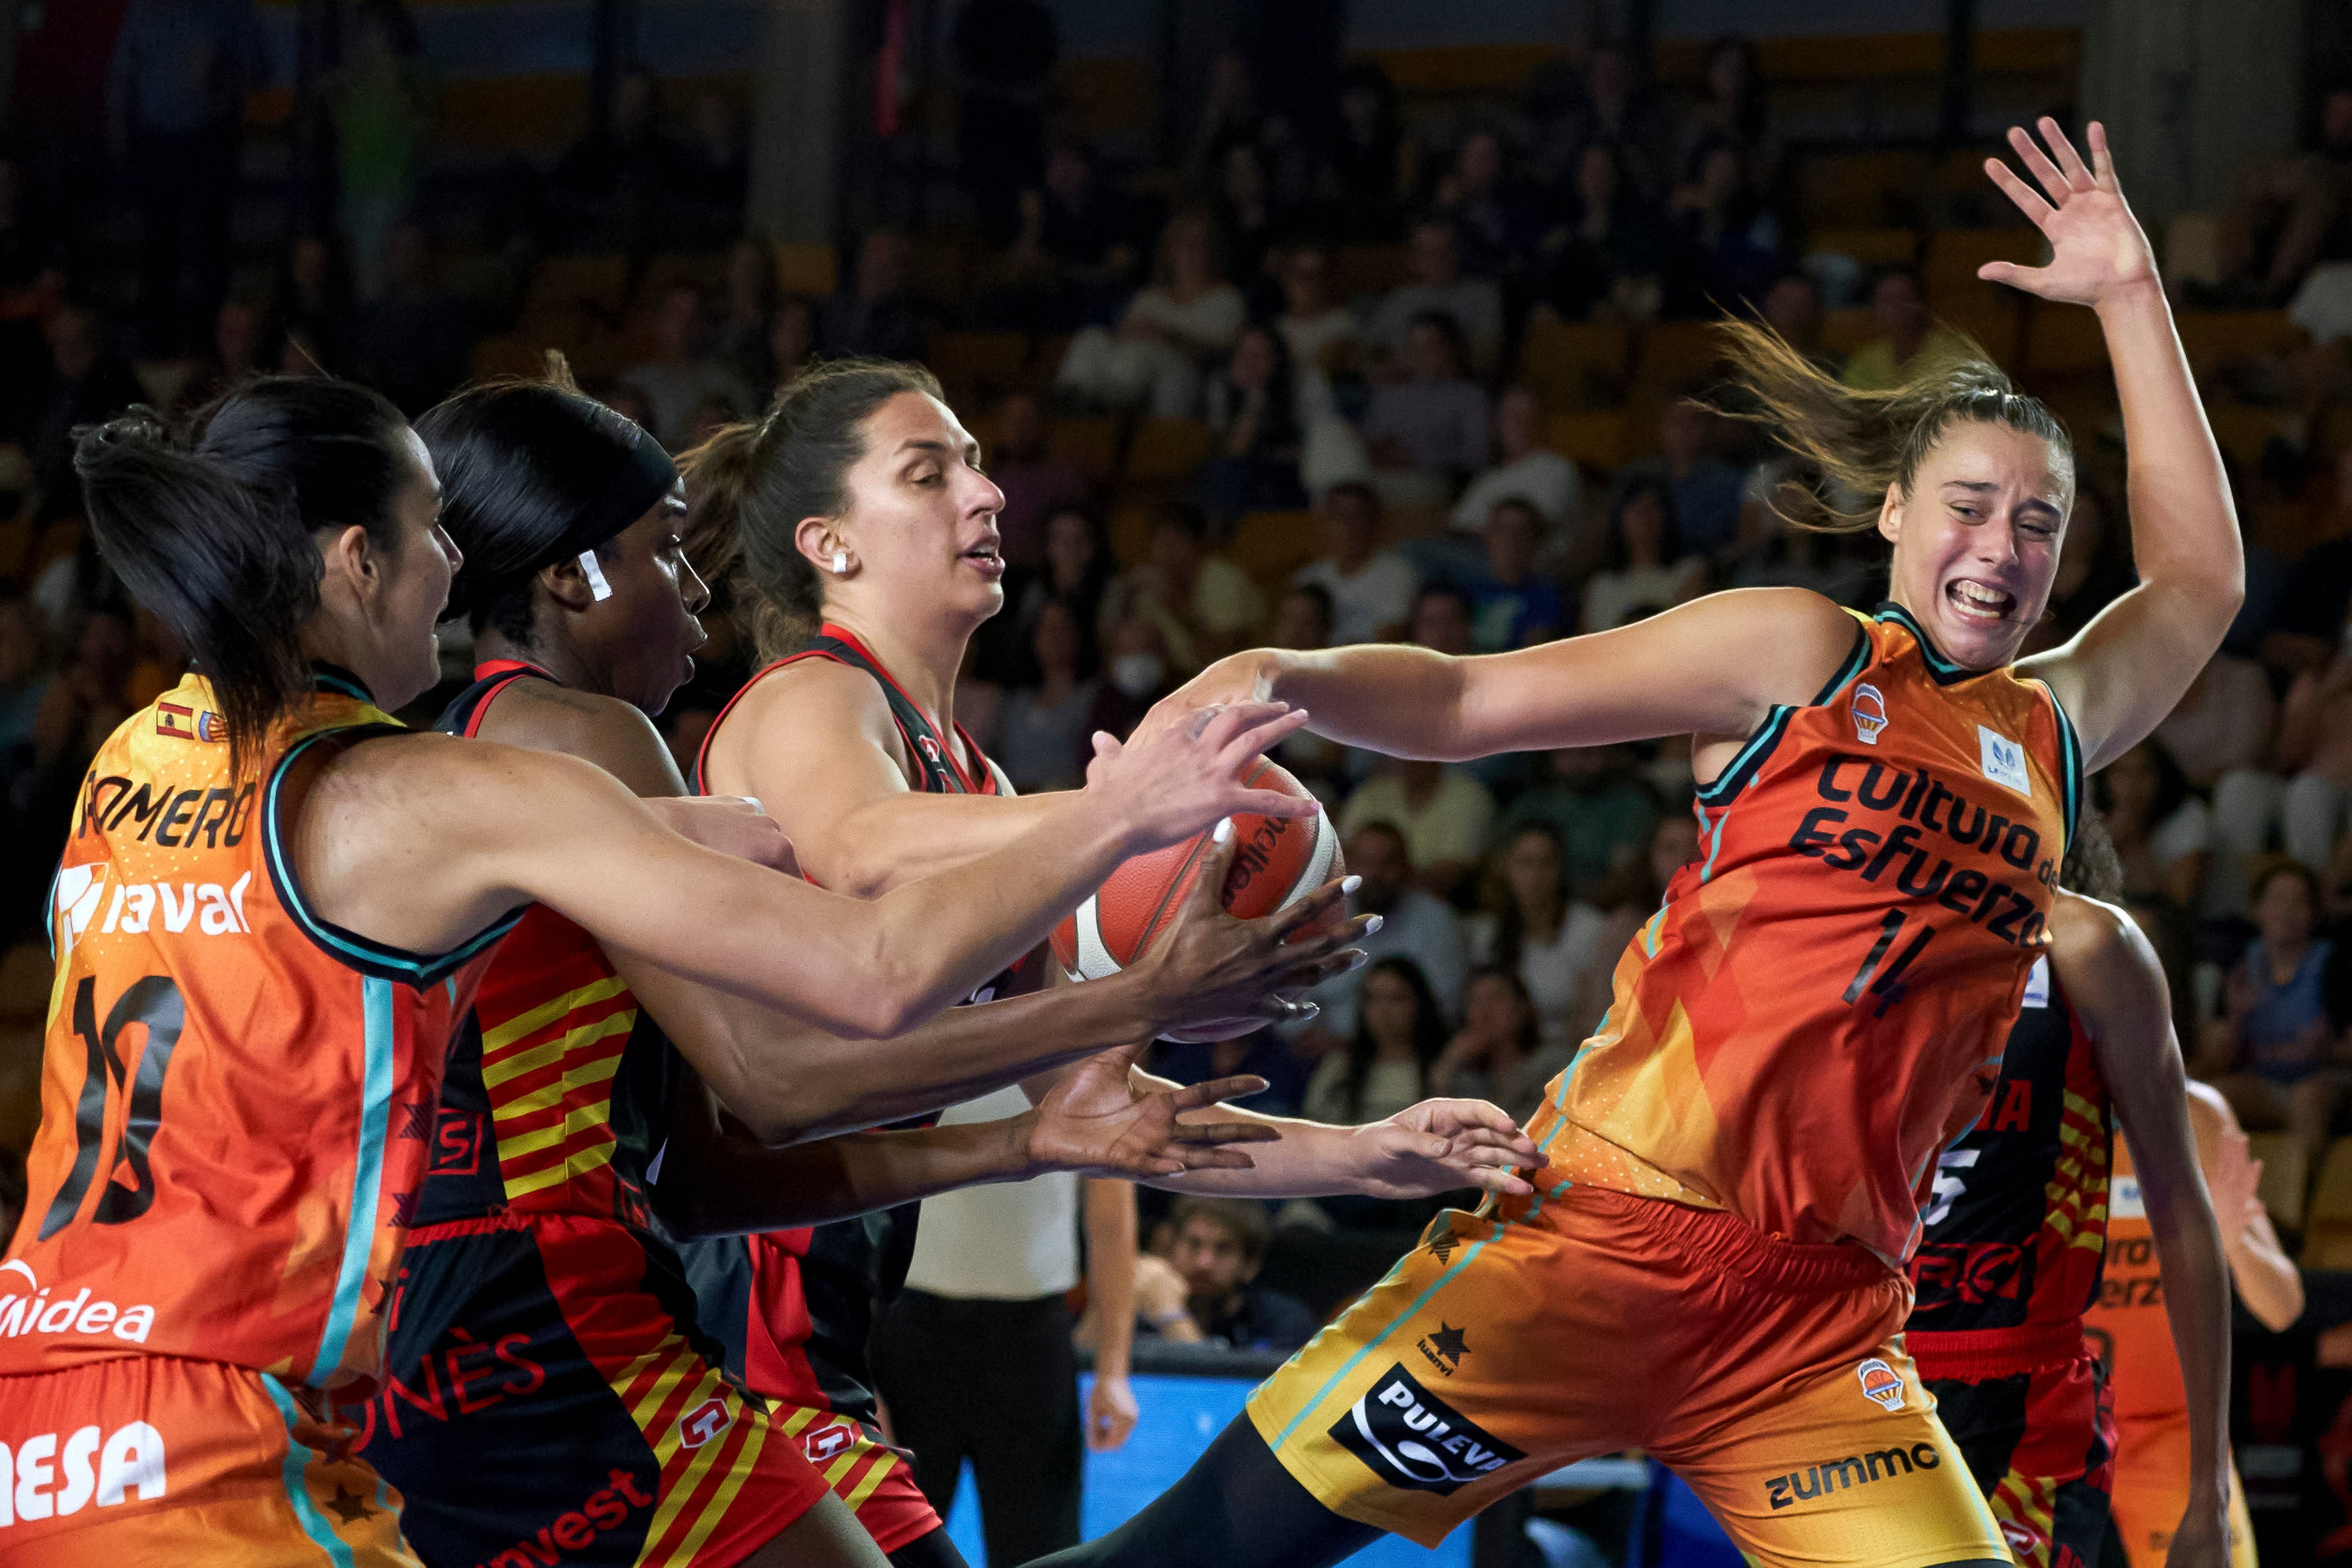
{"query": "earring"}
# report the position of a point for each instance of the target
(840, 562)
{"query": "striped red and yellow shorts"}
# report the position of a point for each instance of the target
(151, 1458)
(545, 1400)
(1769, 1376)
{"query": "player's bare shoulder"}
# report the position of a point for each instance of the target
(811, 699)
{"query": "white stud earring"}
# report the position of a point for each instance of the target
(840, 562)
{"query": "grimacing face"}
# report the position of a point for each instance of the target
(1977, 538)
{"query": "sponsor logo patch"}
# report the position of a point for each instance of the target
(47, 1477)
(704, 1422)
(1445, 1348)
(1880, 1383)
(26, 1308)
(1412, 1438)
(577, 1529)
(1854, 1470)
(829, 1441)
(2004, 761)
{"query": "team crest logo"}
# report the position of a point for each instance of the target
(1869, 714)
(704, 1422)
(830, 1441)
(1880, 1383)
(930, 749)
(2023, 1539)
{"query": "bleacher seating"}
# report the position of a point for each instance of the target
(2327, 1220)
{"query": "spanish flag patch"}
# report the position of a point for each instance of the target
(182, 723)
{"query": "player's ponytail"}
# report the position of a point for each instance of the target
(1866, 443)
(217, 535)
(750, 487)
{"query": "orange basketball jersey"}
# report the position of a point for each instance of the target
(1818, 1006)
(236, 1095)
(2128, 1323)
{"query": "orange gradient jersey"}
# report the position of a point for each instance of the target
(2128, 1323)
(1820, 1005)
(236, 1095)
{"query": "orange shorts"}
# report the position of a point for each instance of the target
(150, 1459)
(2152, 1489)
(1769, 1376)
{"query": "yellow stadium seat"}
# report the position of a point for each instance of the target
(2285, 1176)
(2240, 432)
(1675, 356)
(1574, 364)
(1953, 256)
(977, 362)
(1131, 535)
(1166, 450)
(1087, 443)
(1843, 331)
(566, 280)
(806, 269)
(1597, 439)
(2064, 338)
(1858, 189)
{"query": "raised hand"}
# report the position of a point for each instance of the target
(1214, 976)
(2236, 1187)
(1171, 781)
(1440, 1146)
(2098, 248)
(734, 825)
(1098, 1123)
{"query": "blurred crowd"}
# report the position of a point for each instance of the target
(1392, 424)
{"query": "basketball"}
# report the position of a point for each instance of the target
(1278, 861)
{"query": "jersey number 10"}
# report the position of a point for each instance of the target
(155, 1003)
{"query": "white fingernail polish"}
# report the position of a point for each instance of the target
(1225, 830)
(1374, 928)
(1349, 884)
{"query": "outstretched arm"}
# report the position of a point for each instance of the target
(2124, 671)
(1692, 670)
(2111, 979)
(2266, 1278)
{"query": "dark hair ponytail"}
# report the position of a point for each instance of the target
(217, 535)
(750, 486)
(534, 472)
(1869, 442)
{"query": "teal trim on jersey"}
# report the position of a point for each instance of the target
(1751, 756)
(327, 678)
(367, 1177)
(1942, 669)
(1375, 1343)
(1855, 663)
(2070, 763)
(307, 1512)
(374, 959)
(1706, 872)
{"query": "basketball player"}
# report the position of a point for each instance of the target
(532, 1229)
(1711, 1268)
(2161, 1404)
(868, 539)
(2020, 1216)
(269, 921)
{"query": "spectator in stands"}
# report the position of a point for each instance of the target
(1498, 1052)
(1400, 1033)
(2296, 215)
(1475, 304)
(875, 314)
(2162, 833)
(312, 303)
(1793, 307)
(383, 102)
(1435, 423)
(175, 109)
(1617, 109)
(1911, 342)
(1261, 1053)
(1320, 333)
(88, 383)
(1371, 590)
(1204, 606)
(1075, 569)
(240, 351)
(1004, 52)
(411, 345)
(1359, 179)
(1413, 924)
(1303, 619)
(1643, 569)
(683, 372)
(740, 337)
(1730, 240)
(1206, 1290)
(1136, 663)
(1611, 259)
(1254, 227)
(1035, 485)
(1230, 117)
(2276, 1055)
(1525, 469)
(1732, 111)
(1087, 235)
(1511, 604)
(1252, 413)
(1444, 812)
(2314, 753)
(1529, 926)
(1496, 223)
(1044, 730)
(613, 183)
(25, 683)
(1596, 805)
(1708, 492)
(1189, 316)
(710, 174)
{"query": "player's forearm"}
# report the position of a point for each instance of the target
(1307, 1159)
(1388, 697)
(731, 1186)
(2184, 531)
(896, 839)
(2197, 1306)
(2266, 1279)
(1110, 1272)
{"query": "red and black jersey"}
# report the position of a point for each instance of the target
(796, 1308)
(2016, 1220)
